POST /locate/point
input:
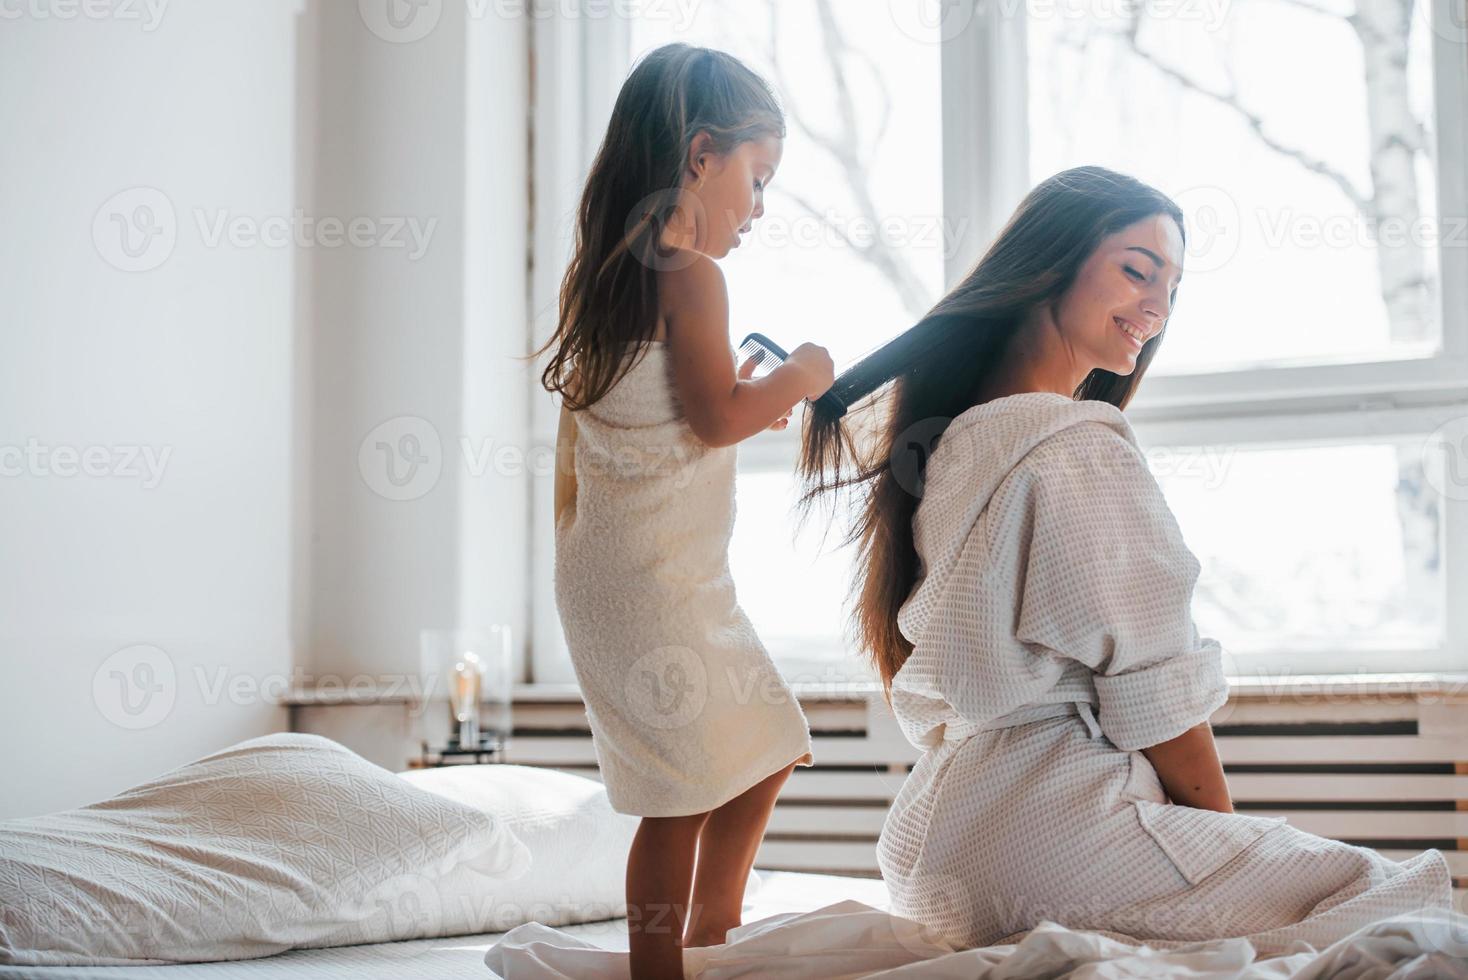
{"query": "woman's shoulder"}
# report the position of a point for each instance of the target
(1096, 450)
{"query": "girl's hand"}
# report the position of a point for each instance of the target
(815, 362)
(746, 371)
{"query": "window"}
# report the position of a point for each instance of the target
(1318, 357)
(1316, 242)
(1310, 194)
(1320, 549)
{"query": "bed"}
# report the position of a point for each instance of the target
(458, 956)
(291, 856)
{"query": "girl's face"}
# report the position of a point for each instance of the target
(731, 190)
(1123, 294)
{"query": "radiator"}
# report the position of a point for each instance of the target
(1388, 772)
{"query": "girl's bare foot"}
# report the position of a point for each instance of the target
(708, 937)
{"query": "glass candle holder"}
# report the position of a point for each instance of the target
(470, 672)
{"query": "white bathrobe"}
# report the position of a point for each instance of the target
(1053, 640)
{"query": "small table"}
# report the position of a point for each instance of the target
(489, 750)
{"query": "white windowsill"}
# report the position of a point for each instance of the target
(1427, 686)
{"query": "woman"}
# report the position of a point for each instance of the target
(1025, 594)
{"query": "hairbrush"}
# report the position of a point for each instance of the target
(770, 355)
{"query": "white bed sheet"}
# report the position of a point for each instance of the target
(800, 926)
(458, 956)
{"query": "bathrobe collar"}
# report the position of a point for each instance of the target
(976, 452)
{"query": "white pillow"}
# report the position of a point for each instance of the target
(277, 842)
(578, 847)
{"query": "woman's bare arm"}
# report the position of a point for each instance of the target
(565, 485)
(1189, 769)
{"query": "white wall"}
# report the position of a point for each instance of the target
(267, 553)
(432, 129)
(191, 358)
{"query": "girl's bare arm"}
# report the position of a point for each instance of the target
(722, 408)
(565, 485)
(1189, 769)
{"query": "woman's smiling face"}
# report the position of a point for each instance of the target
(1123, 294)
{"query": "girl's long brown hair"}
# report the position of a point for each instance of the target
(609, 296)
(939, 368)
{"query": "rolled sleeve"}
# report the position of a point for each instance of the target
(1108, 582)
(1149, 705)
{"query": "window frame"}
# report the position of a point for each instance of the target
(985, 175)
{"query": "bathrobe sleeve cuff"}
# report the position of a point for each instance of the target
(1140, 708)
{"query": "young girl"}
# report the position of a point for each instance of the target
(695, 730)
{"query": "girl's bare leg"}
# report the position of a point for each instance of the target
(659, 877)
(726, 849)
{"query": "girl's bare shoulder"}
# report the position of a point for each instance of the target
(691, 282)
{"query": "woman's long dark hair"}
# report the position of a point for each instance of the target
(941, 366)
(609, 296)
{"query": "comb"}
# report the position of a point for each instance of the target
(771, 355)
(767, 354)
